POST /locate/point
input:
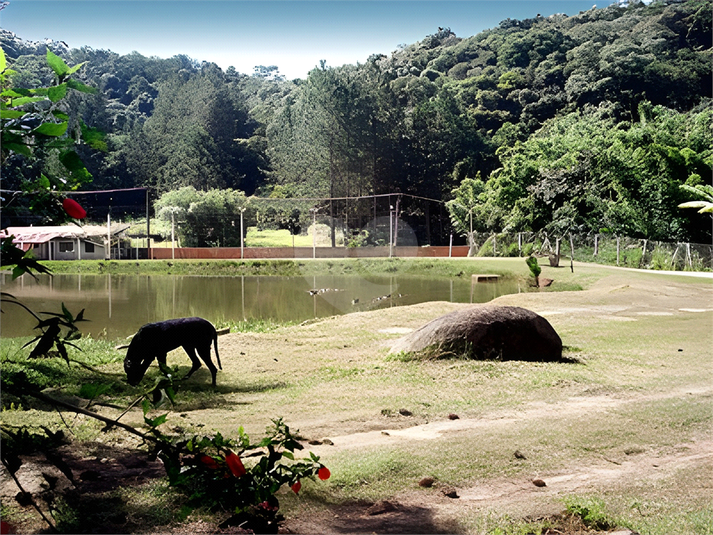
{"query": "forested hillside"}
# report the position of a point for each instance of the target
(576, 122)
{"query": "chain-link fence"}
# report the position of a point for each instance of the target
(601, 249)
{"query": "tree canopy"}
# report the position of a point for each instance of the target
(574, 122)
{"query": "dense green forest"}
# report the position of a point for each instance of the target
(562, 123)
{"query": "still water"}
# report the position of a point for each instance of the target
(117, 305)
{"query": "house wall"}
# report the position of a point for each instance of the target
(53, 250)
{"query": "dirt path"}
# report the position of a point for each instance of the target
(518, 496)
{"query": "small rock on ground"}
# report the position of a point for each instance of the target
(381, 507)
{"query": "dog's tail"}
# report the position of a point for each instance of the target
(215, 344)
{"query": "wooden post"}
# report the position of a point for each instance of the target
(618, 248)
(643, 254)
(596, 244)
(571, 257)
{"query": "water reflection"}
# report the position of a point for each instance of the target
(117, 305)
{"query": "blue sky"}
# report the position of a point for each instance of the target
(294, 34)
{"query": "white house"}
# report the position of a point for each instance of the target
(68, 242)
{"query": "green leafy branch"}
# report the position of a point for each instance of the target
(702, 191)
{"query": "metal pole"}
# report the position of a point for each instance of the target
(391, 230)
(173, 235)
(148, 227)
(314, 233)
(242, 239)
(108, 236)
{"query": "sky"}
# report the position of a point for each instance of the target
(294, 35)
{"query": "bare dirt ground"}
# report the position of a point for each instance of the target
(274, 359)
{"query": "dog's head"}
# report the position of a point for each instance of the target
(137, 360)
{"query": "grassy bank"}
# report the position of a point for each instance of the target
(427, 267)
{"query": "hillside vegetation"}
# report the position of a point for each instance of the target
(565, 123)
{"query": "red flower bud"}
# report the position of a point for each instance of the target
(323, 473)
(296, 487)
(235, 464)
(209, 461)
(73, 209)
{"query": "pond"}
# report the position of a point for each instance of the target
(117, 305)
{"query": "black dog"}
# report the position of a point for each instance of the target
(155, 340)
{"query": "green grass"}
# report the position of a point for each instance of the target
(508, 268)
(275, 238)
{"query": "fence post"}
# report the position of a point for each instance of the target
(571, 257)
(642, 262)
(688, 255)
(618, 247)
(596, 245)
(675, 252)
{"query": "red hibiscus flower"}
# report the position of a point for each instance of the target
(296, 487)
(73, 209)
(235, 464)
(323, 473)
(209, 461)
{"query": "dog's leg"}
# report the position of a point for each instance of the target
(194, 359)
(204, 352)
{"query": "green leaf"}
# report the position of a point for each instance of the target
(60, 115)
(159, 420)
(11, 114)
(79, 86)
(51, 129)
(57, 64)
(67, 314)
(75, 165)
(74, 69)
(93, 390)
(26, 100)
(18, 148)
(14, 93)
(57, 93)
(146, 406)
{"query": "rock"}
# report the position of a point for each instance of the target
(453, 416)
(539, 483)
(381, 507)
(405, 412)
(426, 482)
(36, 478)
(486, 332)
(327, 441)
(450, 492)
(519, 455)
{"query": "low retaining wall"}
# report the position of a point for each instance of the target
(226, 253)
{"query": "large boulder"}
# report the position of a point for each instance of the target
(486, 332)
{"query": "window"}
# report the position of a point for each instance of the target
(66, 247)
(88, 247)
